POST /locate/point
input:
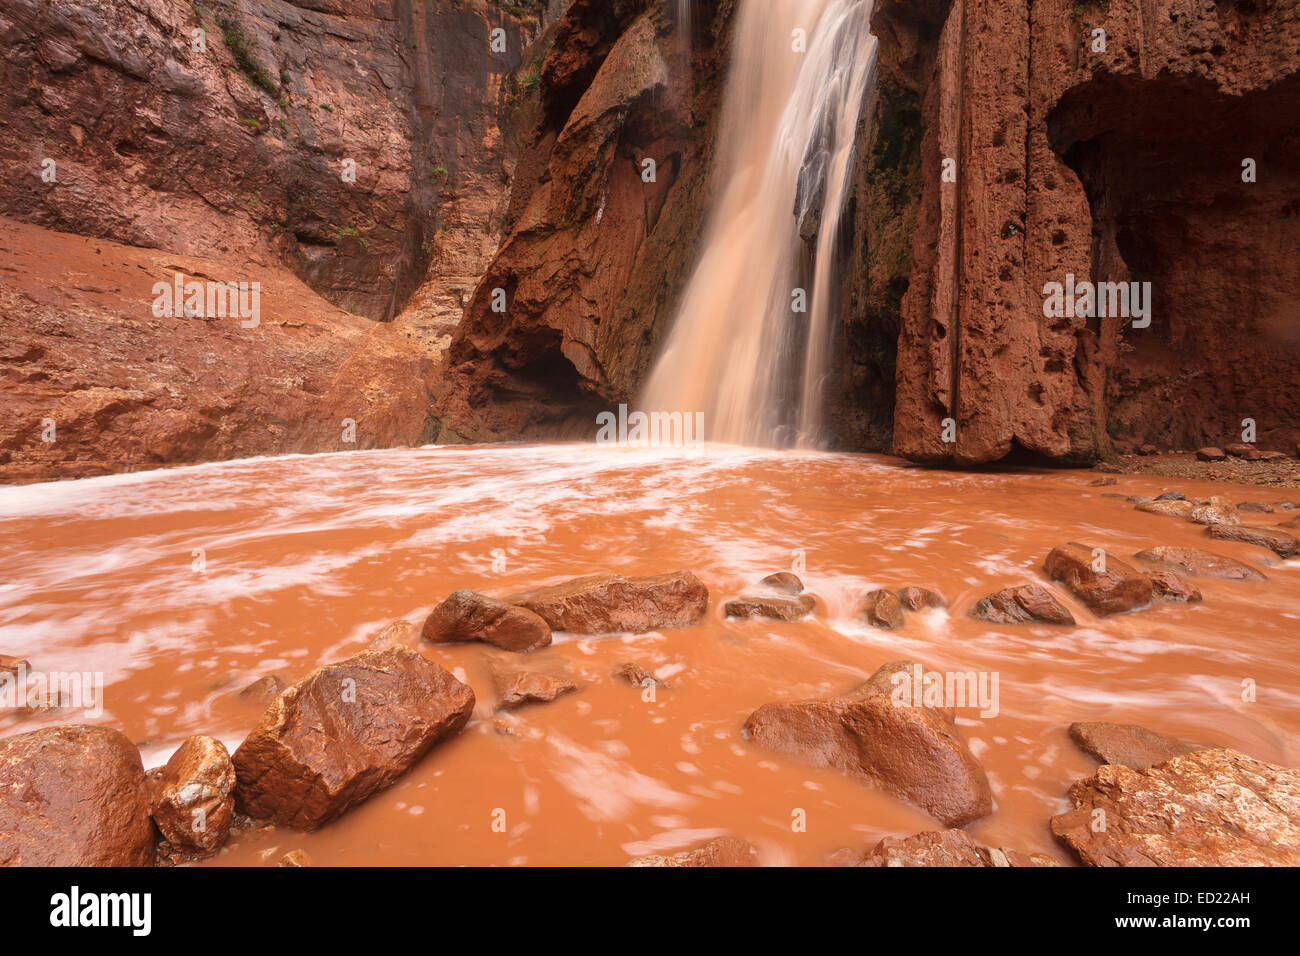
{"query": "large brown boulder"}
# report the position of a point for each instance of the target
(470, 616)
(1279, 542)
(724, 851)
(1207, 808)
(1118, 587)
(774, 608)
(73, 796)
(947, 848)
(1175, 508)
(1127, 744)
(193, 799)
(1025, 604)
(345, 732)
(1202, 564)
(609, 603)
(911, 752)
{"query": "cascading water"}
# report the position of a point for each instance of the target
(751, 343)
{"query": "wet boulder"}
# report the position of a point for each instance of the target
(1205, 808)
(909, 751)
(948, 848)
(469, 616)
(1202, 564)
(784, 582)
(73, 796)
(724, 851)
(397, 634)
(1215, 510)
(1025, 604)
(1281, 543)
(882, 609)
(916, 599)
(1174, 507)
(263, 690)
(610, 603)
(192, 799)
(774, 608)
(1126, 744)
(345, 732)
(1171, 586)
(1104, 583)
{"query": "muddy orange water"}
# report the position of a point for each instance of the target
(306, 558)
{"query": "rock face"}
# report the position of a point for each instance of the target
(1071, 160)
(595, 257)
(193, 800)
(1202, 564)
(609, 603)
(73, 796)
(1126, 744)
(1114, 588)
(345, 732)
(911, 752)
(947, 848)
(1207, 808)
(1025, 604)
(470, 616)
(365, 147)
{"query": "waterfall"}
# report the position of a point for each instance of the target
(738, 351)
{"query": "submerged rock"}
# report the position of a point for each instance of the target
(295, 858)
(637, 676)
(469, 616)
(1202, 564)
(784, 581)
(913, 753)
(263, 690)
(1256, 507)
(777, 608)
(193, 798)
(525, 687)
(1024, 604)
(1126, 744)
(724, 851)
(345, 732)
(947, 848)
(1206, 808)
(397, 634)
(1279, 542)
(882, 609)
(610, 603)
(73, 796)
(1117, 588)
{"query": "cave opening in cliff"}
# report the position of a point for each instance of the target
(1195, 191)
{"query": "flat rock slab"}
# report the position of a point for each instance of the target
(911, 752)
(1126, 744)
(1206, 808)
(345, 732)
(948, 848)
(1175, 508)
(724, 851)
(469, 616)
(774, 608)
(1281, 543)
(610, 603)
(1202, 564)
(1024, 604)
(73, 796)
(1116, 588)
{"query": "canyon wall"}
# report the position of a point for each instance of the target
(569, 315)
(1111, 156)
(353, 156)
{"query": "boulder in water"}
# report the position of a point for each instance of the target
(776, 608)
(1104, 583)
(1126, 744)
(193, 798)
(724, 851)
(1024, 604)
(469, 616)
(785, 582)
(882, 609)
(345, 732)
(610, 603)
(516, 688)
(915, 599)
(1281, 543)
(1171, 586)
(1202, 564)
(947, 848)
